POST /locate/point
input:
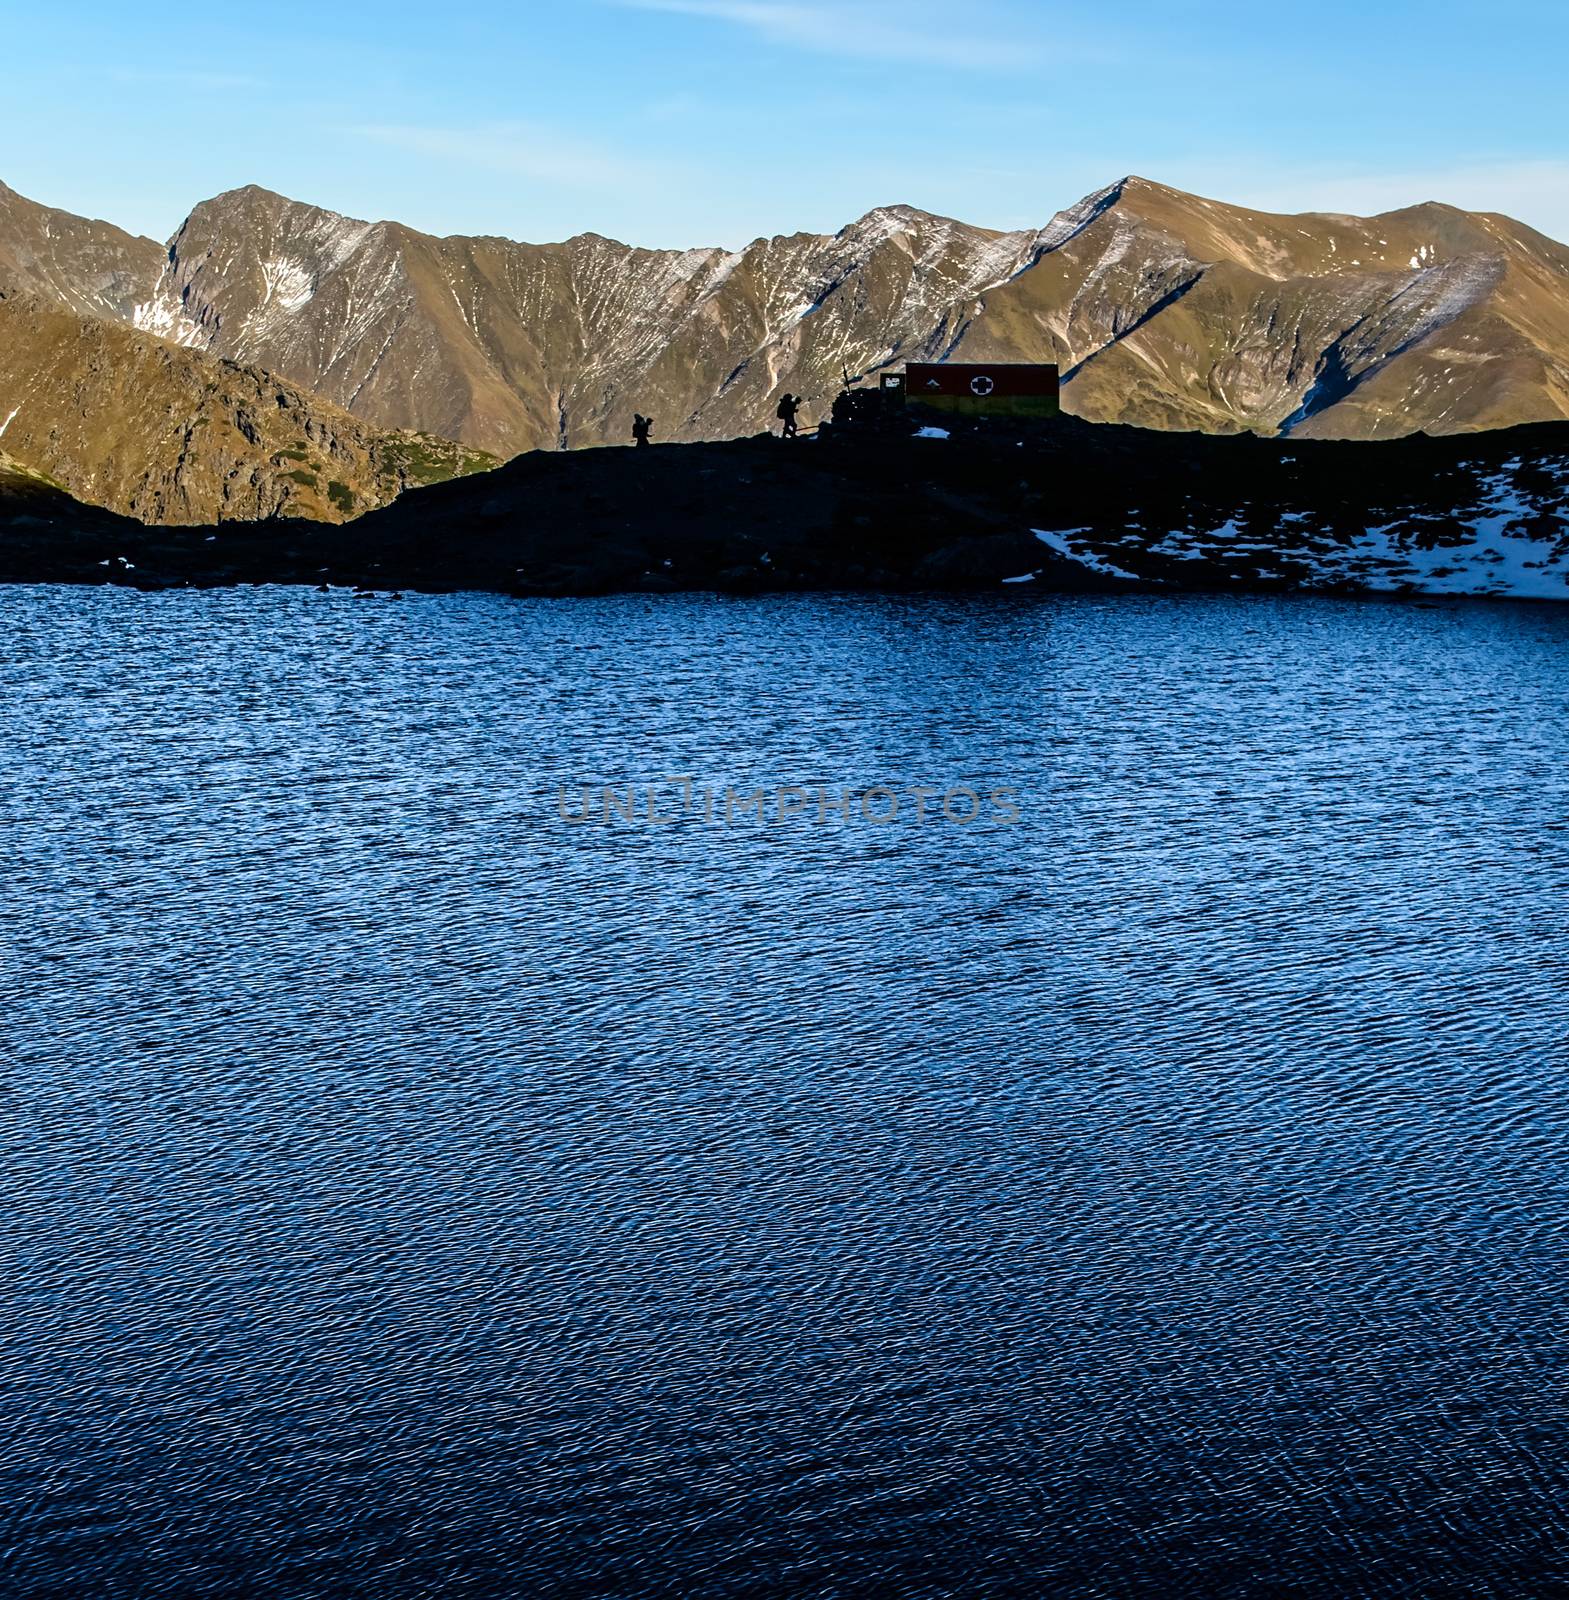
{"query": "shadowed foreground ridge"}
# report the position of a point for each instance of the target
(878, 503)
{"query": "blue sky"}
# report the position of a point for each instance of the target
(677, 122)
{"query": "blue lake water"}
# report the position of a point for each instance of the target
(407, 1191)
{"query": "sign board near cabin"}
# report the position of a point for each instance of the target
(1009, 387)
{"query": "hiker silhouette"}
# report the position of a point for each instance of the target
(640, 428)
(788, 406)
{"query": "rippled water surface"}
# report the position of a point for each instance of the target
(406, 1191)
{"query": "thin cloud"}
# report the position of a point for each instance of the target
(677, 108)
(207, 82)
(1534, 192)
(868, 33)
(519, 149)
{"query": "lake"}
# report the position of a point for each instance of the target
(422, 1174)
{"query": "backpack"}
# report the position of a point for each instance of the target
(786, 410)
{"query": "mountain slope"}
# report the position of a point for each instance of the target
(512, 346)
(1184, 313)
(1164, 309)
(93, 268)
(128, 421)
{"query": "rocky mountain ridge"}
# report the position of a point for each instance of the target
(92, 268)
(1164, 309)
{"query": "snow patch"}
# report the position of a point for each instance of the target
(165, 317)
(1058, 544)
(1497, 561)
(1503, 543)
(932, 433)
(289, 284)
(9, 420)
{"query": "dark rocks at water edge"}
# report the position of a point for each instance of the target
(902, 502)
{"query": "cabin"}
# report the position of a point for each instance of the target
(1000, 388)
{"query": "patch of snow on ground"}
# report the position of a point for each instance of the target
(1024, 577)
(1495, 562)
(9, 420)
(289, 285)
(1178, 545)
(164, 317)
(1058, 544)
(932, 433)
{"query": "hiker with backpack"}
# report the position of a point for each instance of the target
(788, 406)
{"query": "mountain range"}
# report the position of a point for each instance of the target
(292, 329)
